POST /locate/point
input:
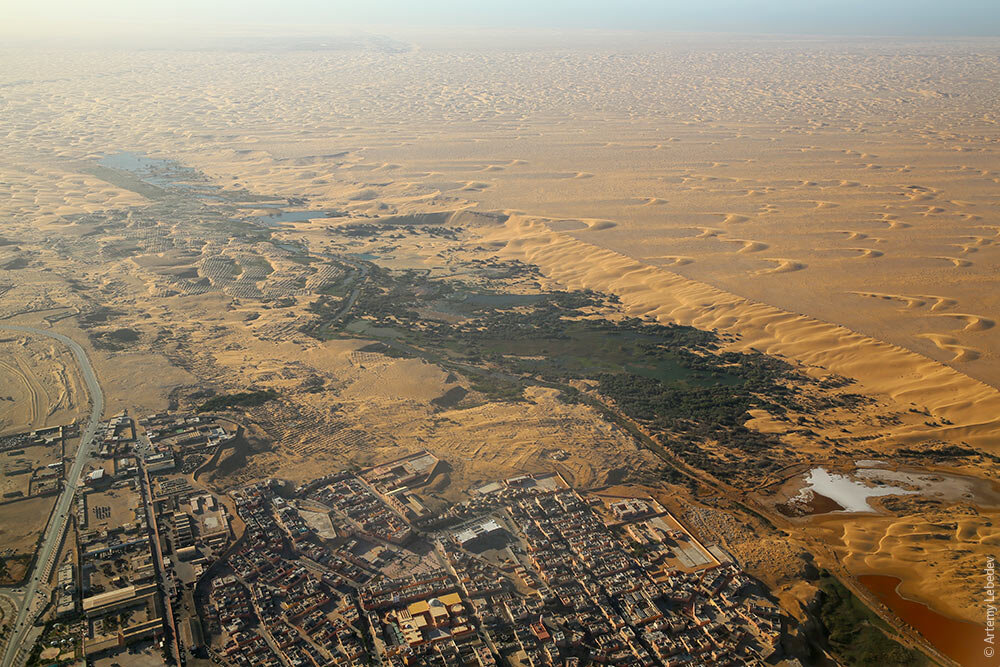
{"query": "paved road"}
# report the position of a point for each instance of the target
(17, 649)
(165, 582)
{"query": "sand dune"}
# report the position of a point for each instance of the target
(747, 246)
(972, 322)
(799, 144)
(951, 344)
(957, 262)
(938, 303)
(936, 556)
(670, 260)
(907, 301)
(893, 223)
(568, 225)
(601, 225)
(580, 224)
(708, 232)
(781, 266)
(942, 303)
(974, 244)
(867, 253)
(534, 127)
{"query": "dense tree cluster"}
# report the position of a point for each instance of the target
(677, 381)
(244, 399)
(855, 633)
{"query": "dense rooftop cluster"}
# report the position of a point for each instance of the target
(537, 572)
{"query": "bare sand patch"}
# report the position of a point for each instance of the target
(22, 523)
(40, 383)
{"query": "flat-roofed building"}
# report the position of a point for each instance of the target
(474, 532)
(630, 509)
(183, 529)
(120, 598)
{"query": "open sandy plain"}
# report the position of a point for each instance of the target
(40, 384)
(831, 203)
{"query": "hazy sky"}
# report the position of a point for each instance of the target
(852, 17)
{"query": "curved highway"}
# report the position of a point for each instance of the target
(34, 601)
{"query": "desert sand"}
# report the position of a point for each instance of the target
(931, 552)
(41, 384)
(852, 183)
(832, 203)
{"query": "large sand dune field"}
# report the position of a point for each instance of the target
(852, 182)
(832, 203)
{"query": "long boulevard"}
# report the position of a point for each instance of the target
(33, 602)
(147, 499)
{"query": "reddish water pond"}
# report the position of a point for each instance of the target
(959, 640)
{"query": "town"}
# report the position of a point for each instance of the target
(353, 569)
